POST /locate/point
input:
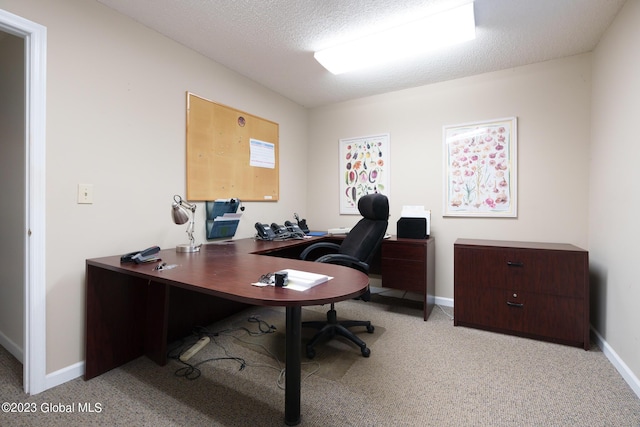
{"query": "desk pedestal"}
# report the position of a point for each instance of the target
(128, 317)
(409, 265)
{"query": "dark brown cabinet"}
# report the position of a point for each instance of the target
(536, 290)
(409, 265)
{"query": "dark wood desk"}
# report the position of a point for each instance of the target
(404, 264)
(133, 310)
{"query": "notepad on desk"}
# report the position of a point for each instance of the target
(303, 280)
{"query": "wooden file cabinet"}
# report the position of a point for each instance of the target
(536, 290)
(409, 265)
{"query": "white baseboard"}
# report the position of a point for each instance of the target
(618, 363)
(12, 347)
(445, 302)
(397, 293)
(64, 375)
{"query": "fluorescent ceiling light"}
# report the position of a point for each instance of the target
(414, 38)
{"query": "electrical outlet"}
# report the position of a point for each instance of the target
(85, 193)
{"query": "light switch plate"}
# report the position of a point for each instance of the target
(85, 194)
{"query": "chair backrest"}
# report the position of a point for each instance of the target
(366, 236)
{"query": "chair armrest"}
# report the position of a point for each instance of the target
(319, 245)
(346, 260)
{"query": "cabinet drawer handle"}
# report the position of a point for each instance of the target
(514, 304)
(515, 264)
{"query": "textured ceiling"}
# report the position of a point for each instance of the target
(272, 41)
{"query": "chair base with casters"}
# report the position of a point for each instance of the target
(332, 327)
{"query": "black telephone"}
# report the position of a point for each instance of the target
(294, 229)
(280, 230)
(302, 223)
(265, 232)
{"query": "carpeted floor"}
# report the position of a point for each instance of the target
(419, 374)
(332, 360)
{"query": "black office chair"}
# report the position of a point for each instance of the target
(356, 251)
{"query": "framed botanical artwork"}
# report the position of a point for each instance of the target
(480, 169)
(364, 169)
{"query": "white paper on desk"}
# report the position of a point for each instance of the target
(299, 280)
(303, 280)
(417, 212)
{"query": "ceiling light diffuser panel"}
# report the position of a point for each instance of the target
(443, 29)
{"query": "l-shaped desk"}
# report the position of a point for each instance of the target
(134, 310)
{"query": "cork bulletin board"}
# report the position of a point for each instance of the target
(230, 153)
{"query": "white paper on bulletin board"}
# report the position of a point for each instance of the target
(262, 154)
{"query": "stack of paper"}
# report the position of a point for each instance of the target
(303, 280)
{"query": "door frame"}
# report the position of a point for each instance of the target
(35, 325)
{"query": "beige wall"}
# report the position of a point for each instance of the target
(116, 119)
(614, 177)
(552, 103)
(12, 188)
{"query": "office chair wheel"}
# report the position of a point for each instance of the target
(311, 353)
(370, 329)
(366, 352)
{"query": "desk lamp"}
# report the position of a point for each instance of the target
(180, 214)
